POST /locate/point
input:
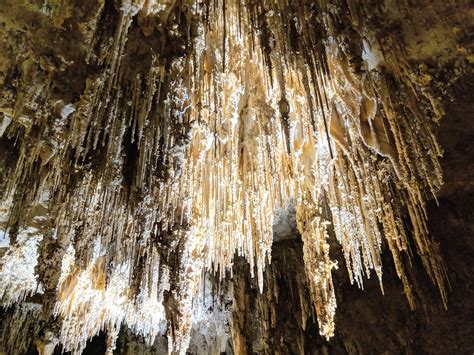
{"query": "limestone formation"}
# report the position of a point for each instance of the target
(147, 144)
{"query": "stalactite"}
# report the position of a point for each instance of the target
(196, 122)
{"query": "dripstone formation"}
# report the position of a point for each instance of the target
(222, 176)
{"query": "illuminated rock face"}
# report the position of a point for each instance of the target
(147, 144)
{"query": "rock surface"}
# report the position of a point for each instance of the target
(236, 176)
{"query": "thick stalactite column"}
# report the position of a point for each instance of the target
(282, 319)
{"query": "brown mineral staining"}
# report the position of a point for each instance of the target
(162, 137)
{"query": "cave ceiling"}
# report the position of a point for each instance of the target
(145, 145)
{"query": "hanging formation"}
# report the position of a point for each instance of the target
(196, 123)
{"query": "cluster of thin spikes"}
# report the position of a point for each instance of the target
(245, 131)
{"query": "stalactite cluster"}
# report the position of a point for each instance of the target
(168, 139)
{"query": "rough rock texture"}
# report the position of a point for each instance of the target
(149, 151)
(280, 320)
